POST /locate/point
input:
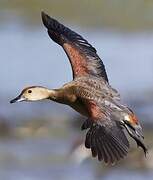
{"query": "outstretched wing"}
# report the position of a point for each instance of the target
(83, 57)
(105, 136)
(106, 140)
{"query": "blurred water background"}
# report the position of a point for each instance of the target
(43, 140)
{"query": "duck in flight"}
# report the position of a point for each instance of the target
(90, 94)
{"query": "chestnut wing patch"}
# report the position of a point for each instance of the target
(82, 55)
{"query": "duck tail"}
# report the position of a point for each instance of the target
(134, 129)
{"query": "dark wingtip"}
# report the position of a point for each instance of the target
(42, 13)
(44, 17)
(49, 22)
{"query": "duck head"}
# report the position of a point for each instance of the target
(33, 93)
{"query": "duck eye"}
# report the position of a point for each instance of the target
(29, 91)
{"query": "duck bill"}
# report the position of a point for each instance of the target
(17, 99)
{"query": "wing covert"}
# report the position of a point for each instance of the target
(82, 55)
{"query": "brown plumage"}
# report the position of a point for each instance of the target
(91, 95)
(83, 57)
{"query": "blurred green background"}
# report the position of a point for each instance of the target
(43, 140)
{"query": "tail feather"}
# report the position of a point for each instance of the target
(136, 133)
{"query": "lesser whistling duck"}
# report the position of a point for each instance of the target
(90, 94)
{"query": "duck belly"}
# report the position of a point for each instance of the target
(80, 108)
